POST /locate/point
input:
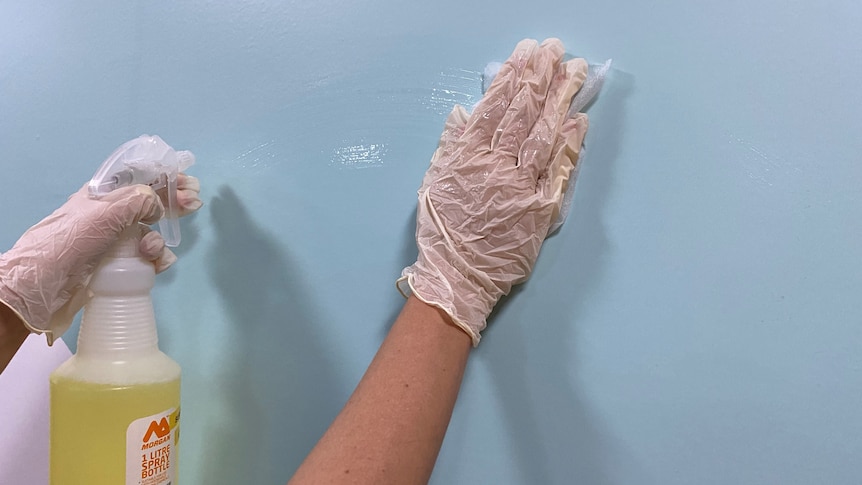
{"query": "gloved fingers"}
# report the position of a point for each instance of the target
(490, 110)
(152, 248)
(130, 205)
(535, 152)
(167, 259)
(554, 182)
(188, 182)
(188, 194)
(152, 244)
(527, 104)
(443, 156)
(189, 202)
(454, 127)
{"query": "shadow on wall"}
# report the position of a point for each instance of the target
(275, 384)
(556, 437)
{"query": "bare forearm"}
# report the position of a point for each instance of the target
(392, 427)
(12, 335)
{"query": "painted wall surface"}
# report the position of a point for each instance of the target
(697, 320)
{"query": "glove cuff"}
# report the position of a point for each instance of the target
(7, 298)
(14, 303)
(406, 285)
(438, 284)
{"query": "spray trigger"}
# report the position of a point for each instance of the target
(150, 161)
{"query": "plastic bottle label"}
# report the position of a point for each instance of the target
(151, 449)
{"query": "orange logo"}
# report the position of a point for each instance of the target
(161, 429)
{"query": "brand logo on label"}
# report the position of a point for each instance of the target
(160, 429)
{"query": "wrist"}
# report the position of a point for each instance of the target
(13, 333)
(13, 308)
(437, 283)
(11, 323)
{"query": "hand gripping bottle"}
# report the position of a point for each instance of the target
(115, 404)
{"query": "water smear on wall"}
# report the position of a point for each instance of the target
(256, 159)
(762, 166)
(455, 86)
(395, 111)
(359, 156)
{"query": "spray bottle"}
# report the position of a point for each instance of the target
(115, 404)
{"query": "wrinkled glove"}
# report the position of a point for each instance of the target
(496, 184)
(44, 276)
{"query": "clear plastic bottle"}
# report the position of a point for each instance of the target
(115, 404)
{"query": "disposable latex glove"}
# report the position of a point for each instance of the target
(496, 184)
(44, 276)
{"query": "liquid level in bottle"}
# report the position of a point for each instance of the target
(89, 422)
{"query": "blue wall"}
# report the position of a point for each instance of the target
(697, 320)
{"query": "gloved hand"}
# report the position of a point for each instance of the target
(496, 184)
(44, 276)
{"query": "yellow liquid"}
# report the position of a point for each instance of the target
(89, 422)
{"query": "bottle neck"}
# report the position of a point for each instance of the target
(119, 322)
(118, 327)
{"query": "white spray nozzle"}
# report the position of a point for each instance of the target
(146, 160)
